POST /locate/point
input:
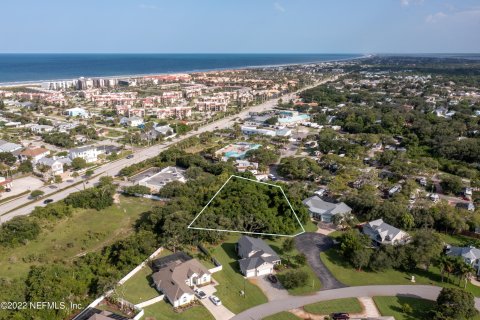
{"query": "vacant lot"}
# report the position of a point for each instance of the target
(85, 231)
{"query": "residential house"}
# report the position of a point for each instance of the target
(469, 206)
(132, 121)
(6, 146)
(323, 210)
(245, 165)
(257, 258)
(41, 128)
(33, 153)
(54, 165)
(88, 153)
(470, 255)
(383, 233)
(177, 278)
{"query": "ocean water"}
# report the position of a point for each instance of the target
(36, 67)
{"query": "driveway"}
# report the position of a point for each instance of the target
(273, 291)
(311, 244)
(218, 312)
(274, 307)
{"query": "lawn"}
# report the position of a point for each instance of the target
(350, 305)
(313, 283)
(231, 281)
(85, 231)
(164, 311)
(351, 277)
(138, 289)
(392, 306)
(310, 226)
(282, 316)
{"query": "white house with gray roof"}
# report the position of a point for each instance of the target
(323, 210)
(257, 258)
(470, 255)
(383, 233)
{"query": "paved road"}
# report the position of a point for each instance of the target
(112, 168)
(273, 307)
(311, 244)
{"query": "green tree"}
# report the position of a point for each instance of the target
(36, 193)
(7, 158)
(454, 303)
(79, 163)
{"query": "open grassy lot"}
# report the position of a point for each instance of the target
(350, 305)
(345, 273)
(231, 280)
(138, 289)
(83, 232)
(282, 316)
(392, 306)
(164, 311)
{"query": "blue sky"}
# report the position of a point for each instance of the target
(231, 26)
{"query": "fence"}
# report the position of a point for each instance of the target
(140, 266)
(218, 265)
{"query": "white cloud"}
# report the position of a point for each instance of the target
(279, 7)
(433, 18)
(406, 3)
(147, 6)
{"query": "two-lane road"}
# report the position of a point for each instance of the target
(12, 208)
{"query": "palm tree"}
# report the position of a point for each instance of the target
(441, 262)
(465, 272)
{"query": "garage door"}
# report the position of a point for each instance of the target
(265, 271)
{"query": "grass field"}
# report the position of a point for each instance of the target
(350, 305)
(164, 311)
(83, 232)
(392, 306)
(231, 281)
(282, 316)
(138, 289)
(351, 277)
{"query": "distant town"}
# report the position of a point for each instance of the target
(119, 195)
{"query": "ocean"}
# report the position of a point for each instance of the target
(38, 67)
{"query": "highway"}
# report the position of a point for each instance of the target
(11, 209)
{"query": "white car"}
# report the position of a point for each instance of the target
(215, 300)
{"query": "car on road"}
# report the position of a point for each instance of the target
(8, 190)
(53, 186)
(215, 300)
(216, 127)
(272, 278)
(70, 180)
(340, 316)
(47, 201)
(130, 156)
(200, 294)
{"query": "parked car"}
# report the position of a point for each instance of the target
(340, 316)
(47, 201)
(130, 156)
(70, 180)
(200, 294)
(53, 186)
(215, 300)
(272, 278)
(8, 189)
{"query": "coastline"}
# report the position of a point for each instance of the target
(39, 82)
